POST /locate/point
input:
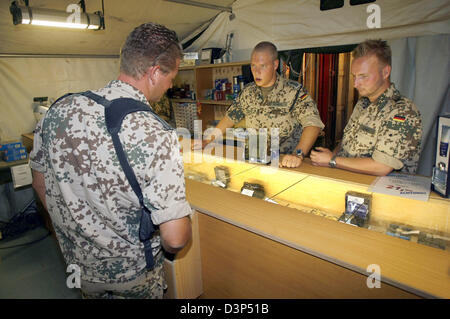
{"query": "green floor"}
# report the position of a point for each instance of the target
(33, 271)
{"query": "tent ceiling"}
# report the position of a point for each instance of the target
(121, 17)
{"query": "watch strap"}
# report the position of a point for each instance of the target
(299, 153)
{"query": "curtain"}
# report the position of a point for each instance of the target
(421, 72)
(327, 94)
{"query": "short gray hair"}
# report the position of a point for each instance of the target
(148, 45)
(379, 48)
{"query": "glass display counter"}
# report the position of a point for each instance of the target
(242, 177)
(417, 221)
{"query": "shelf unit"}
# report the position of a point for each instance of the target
(201, 78)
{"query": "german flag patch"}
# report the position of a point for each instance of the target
(303, 97)
(399, 118)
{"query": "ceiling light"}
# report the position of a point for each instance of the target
(74, 18)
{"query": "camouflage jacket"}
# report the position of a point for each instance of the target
(275, 111)
(163, 108)
(93, 208)
(389, 130)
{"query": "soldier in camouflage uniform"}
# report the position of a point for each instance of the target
(78, 177)
(164, 109)
(385, 130)
(275, 102)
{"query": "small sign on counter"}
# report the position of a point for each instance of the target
(21, 175)
(403, 185)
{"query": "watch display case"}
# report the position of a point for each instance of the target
(417, 221)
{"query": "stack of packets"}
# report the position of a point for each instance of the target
(357, 209)
(418, 236)
(12, 151)
(222, 176)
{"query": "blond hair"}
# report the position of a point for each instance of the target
(379, 48)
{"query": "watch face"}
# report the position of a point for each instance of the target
(299, 152)
(332, 163)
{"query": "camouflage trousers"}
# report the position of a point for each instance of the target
(149, 285)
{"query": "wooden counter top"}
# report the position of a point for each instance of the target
(334, 173)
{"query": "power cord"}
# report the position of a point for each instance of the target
(25, 220)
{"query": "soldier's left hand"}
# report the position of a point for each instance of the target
(320, 156)
(291, 161)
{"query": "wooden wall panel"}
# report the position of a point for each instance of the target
(419, 269)
(183, 274)
(239, 264)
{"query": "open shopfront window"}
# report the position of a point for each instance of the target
(325, 73)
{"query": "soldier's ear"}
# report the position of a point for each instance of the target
(386, 71)
(153, 74)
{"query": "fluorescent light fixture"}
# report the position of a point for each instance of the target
(56, 18)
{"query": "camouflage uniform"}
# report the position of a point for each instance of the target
(274, 111)
(389, 130)
(163, 108)
(93, 208)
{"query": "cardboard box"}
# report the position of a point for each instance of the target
(15, 154)
(10, 145)
(11, 158)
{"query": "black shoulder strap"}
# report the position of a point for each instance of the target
(115, 111)
(295, 99)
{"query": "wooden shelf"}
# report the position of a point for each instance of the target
(186, 68)
(212, 102)
(183, 100)
(222, 65)
(206, 66)
(216, 102)
(7, 165)
(202, 79)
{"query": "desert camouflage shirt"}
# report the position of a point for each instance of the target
(389, 130)
(163, 108)
(277, 111)
(93, 208)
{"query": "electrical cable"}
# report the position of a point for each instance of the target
(27, 219)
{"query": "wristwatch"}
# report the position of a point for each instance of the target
(332, 162)
(299, 153)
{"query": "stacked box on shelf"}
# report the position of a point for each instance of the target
(185, 115)
(10, 145)
(12, 151)
(8, 157)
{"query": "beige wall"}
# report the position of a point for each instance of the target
(24, 78)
